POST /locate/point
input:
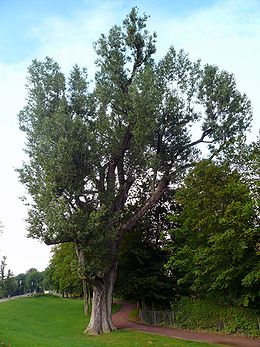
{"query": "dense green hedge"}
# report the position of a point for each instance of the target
(205, 314)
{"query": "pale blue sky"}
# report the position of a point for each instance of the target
(20, 18)
(222, 32)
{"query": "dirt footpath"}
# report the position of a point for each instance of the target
(121, 322)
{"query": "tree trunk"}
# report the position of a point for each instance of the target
(86, 297)
(101, 315)
(89, 298)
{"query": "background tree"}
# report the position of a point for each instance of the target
(21, 282)
(99, 161)
(63, 274)
(34, 280)
(247, 162)
(2, 276)
(215, 241)
(8, 284)
(141, 261)
(47, 282)
(63, 270)
(11, 284)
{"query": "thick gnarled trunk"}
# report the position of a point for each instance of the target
(101, 314)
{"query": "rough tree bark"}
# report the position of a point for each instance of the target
(101, 314)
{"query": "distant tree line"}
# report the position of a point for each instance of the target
(33, 281)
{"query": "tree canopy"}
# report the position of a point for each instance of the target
(8, 284)
(142, 275)
(62, 272)
(216, 235)
(100, 158)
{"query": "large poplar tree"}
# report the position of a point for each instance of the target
(99, 158)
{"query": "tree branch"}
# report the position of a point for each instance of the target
(150, 202)
(57, 240)
(116, 159)
(118, 108)
(200, 140)
(123, 194)
(100, 183)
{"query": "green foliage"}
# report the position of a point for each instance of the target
(248, 164)
(100, 159)
(134, 316)
(215, 241)
(21, 281)
(89, 153)
(62, 272)
(141, 272)
(34, 280)
(31, 281)
(205, 314)
(8, 283)
(57, 322)
(2, 276)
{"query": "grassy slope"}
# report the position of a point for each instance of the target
(56, 322)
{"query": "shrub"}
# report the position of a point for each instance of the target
(205, 314)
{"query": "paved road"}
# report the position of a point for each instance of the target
(14, 297)
(121, 321)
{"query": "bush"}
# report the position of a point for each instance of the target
(205, 314)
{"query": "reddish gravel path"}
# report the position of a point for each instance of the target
(121, 321)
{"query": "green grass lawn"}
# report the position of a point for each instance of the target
(57, 322)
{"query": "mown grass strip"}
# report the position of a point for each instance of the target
(57, 322)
